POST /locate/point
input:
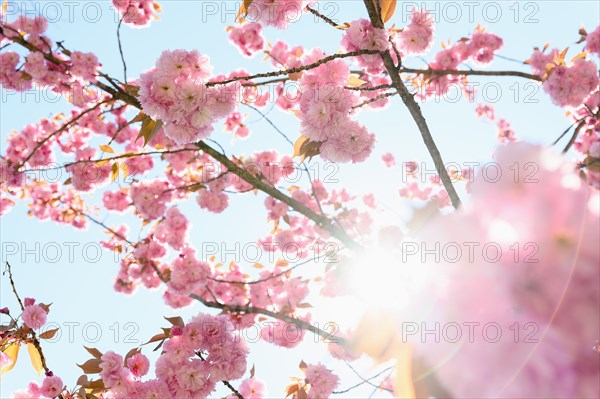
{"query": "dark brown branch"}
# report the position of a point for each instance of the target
(232, 389)
(574, 136)
(321, 16)
(260, 184)
(439, 72)
(375, 99)
(415, 111)
(34, 338)
(58, 131)
(295, 70)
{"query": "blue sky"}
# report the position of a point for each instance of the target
(80, 287)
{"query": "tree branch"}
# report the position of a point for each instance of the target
(439, 72)
(415, 110)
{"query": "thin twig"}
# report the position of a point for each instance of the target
(121, 49)
(301, 68)
(34, 338)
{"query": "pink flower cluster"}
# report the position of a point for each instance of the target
(388, 159)
(480, 48)
(361, 35)
(195, 357)
(277, 13)
(34, 315)
(86, 175)
(247, 38)
(137, 13)
(150, 198)
(188, 275)
(570, 86)
(175, 92)
(172, 229)
(322, 381)
(417, 36)
(67, 76)
(116, 201)
(234, 123)
(251, 388)
(551, 287)
(592, 41)
(506, 134)
(325, 114)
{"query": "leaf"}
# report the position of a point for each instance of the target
(49, 334)
(129, 354)
(114, 174)
(156, 338)
(176, 321)
(82, 380)
(291, 389)
(149, 129)
(306, 148)
(281, 263)
(243, 11)
(46, 307)
(139, 117)
(107, 148)
(258, 266)
(94, 352)
(301, 394)
(354, 81)
(388, 7)
(92, 366)
(298, 145)
(12, 351)
(36, 359)
(96, 384)
(125, 170)
(252, 370)
(102, 162)
(581, 55)
(303, 365)
(67, 182)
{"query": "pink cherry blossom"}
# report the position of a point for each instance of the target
(277, 13)
(138, 364)
(417, 36)
(252, 388)
(592, 41)
(34, 316)
(388, 159)
(247, 38)
(322, 381)
(51, 387)
(138, 13)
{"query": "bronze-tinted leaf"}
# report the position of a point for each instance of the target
(149, 129)
(303, 365)
(176, 321)
(49, 334)
(291, 389)
(92, 366)
(139, 117)
(132, 352)
(301, 394)
(94, 352)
